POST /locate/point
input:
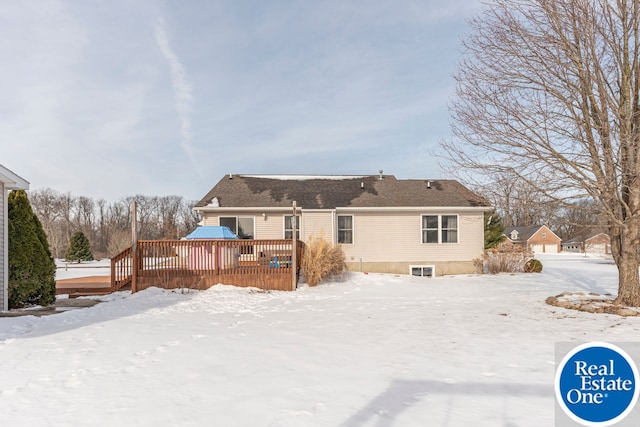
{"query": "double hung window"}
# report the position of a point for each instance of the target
(439, 228)
(288, 227)
(345, 229)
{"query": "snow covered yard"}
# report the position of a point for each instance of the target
(374, 350)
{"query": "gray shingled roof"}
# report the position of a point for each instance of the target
(326, 192)
(524, 233)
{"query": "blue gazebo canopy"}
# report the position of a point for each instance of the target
(212, 232)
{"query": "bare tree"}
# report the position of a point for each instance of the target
(46, 205)
(108, 225)
(548, 92)
(579, 220)
(189, 218)
(518, 203)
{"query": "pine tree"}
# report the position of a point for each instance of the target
(79, 248)
(493, 229)
(32, 270)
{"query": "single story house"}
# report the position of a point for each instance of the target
(537, 239)
(8, 181)
(383, 224)
(598, 243)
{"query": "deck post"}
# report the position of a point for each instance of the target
(294, 244)
(134, 248)
(113, 274)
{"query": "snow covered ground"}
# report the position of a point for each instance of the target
(373, 350)
(65, 270)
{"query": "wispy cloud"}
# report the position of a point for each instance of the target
(182, 90)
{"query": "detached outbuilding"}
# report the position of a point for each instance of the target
(8, 181)
(597, 244)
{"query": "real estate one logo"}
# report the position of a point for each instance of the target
(596, 384)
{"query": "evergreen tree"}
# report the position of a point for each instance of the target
(493, 229)
(32, 270)
(79, 248)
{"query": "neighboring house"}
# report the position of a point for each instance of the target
(573, 245)
(537, 239)
(599, 244)
(383, 224)
(8, 181)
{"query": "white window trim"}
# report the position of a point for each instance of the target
(237, 217)
(298, 225)
(432, 267)
(353, 229)
(440, 229)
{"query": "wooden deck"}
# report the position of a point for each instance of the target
(200, 264)
(84, 286)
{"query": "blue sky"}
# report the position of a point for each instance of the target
(110, 98)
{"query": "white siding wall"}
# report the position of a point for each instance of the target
(269, 227)
(318, 224)
(396, 237)
(382, 237)
(3, 247)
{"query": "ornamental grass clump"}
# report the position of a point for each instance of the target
(505, 260)
(321, 261)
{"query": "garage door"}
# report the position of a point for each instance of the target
(544, 249)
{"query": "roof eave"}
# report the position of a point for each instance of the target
(344, 208)
(12, 181)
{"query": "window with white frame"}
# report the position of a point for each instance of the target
(439, 228)
(242, 226)
(422, 270)
(288, 227)
(345, 229)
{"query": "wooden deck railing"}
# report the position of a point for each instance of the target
(121, 270)
(203, 263)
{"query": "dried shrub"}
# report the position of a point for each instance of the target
(322, 260)
(505, 260)
(533, 266)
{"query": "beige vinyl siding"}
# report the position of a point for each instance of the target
(210, 220)
(270, 226)
(318, 224)
(3, 247)
(401, 233)
(383, 241)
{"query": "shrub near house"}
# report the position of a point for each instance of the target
(31, 267)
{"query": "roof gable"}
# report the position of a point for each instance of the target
(330, 192)
(526, 233)
(523, 233)
(12, 181)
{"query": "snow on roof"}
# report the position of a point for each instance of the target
(305, 177)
